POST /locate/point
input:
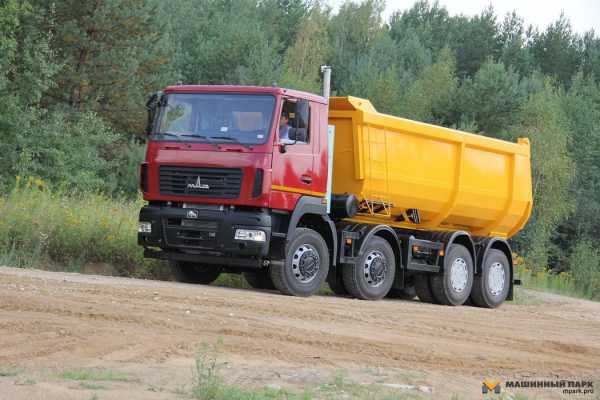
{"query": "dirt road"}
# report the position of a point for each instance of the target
(148, 333)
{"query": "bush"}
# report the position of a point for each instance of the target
(38, 225)
(585, 268)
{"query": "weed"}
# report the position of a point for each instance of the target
(208, 384)
(561, 283)
(524, 298)
(26, 382)
(92, 386)
(9, 371)
(96, 375)
(39, 226)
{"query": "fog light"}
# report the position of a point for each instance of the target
(144, 227)
(252, 235)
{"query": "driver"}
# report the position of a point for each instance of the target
(284, 128)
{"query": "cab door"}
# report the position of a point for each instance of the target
(293, 172)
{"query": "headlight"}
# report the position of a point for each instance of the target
(144, 227)
(252, 235)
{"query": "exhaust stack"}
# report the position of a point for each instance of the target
(326, 71)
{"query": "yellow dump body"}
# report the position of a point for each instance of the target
(455, 180)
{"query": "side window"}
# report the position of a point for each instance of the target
(294, 125)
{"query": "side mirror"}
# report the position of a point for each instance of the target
(152, 105)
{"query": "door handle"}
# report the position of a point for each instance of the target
(306, 179)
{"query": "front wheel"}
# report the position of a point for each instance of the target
(259, 280)
(491, 286)
(373, 275)
(195, 272)
(453, 285)
(305, 267)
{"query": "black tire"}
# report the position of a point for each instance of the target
(337, 286)
(372, 277)
(423, 289)
(407, 293)
(442, 286)
(305, 267)
(195, 272)
(259, 280)
(482, 294)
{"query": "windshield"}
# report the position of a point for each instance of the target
(221, 118)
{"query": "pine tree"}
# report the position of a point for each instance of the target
(112, 57)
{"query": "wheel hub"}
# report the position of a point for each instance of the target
(459, 275)
(305, 263)
(375, 268)
(496, 278)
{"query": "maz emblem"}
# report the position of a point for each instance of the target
(197, 185)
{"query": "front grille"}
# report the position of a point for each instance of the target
(223, 183)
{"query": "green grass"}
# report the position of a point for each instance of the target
(209, 385)
(96, 375)
(92, 386)
(561, 283)
(41, 227)
(9, 371)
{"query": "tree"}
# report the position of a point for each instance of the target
(431, 95)
(352, 33)
(513, 38)
(557, 50)
(475, 40)
(309, 51)
(224, 42)
(543, 121)
(112, 55)
(493, 97)
(591, 55)
(430, 23)
(581, 105)
(283, 18)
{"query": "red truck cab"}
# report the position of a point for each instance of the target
(223, 187)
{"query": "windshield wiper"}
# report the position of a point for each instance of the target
(233, 139)
(167, 134)
(180, 135)
(202, 137)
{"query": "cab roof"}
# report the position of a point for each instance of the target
(273, 90)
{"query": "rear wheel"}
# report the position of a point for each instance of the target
(423, 289)
(305, 267)
(336, 284)
(195, 272)
(259, 280)
(407, 293)
(373, 275)
(453, 285)
(491, 286)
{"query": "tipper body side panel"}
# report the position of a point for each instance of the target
(419, 176)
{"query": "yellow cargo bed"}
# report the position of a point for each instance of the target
(414, 175)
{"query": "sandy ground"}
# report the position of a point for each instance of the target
(151, 331)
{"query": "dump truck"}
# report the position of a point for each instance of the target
(294, 190)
